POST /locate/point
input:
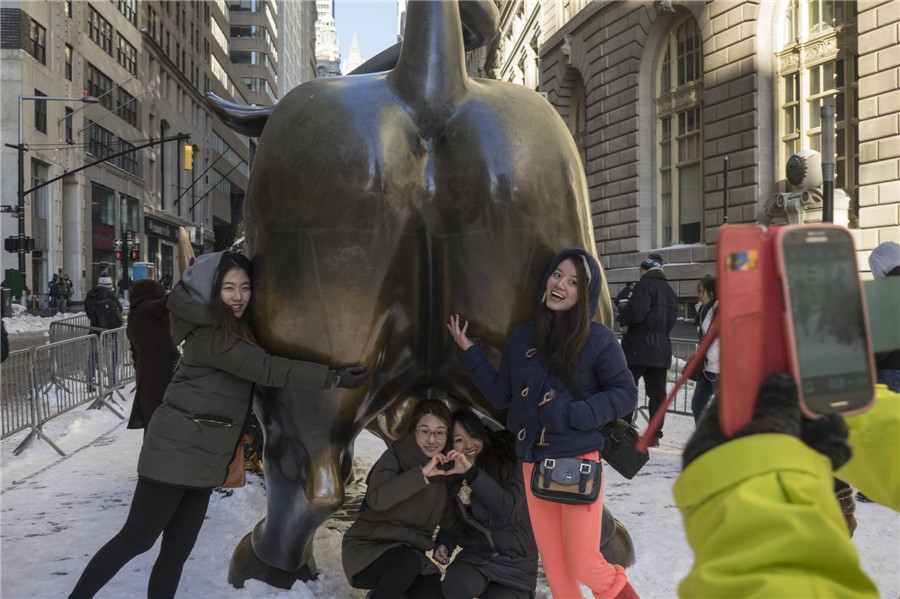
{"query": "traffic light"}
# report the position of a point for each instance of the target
(119, 254)
(133, 255)
(188, 158)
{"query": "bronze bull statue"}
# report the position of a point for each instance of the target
(378, 205)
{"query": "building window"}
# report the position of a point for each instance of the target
(128, 56)
(811, 78)
(69, 126)
(40, 113)
(68, 8)
(68, 62)
(98, 85)
(129, 9)
(153, 24)
(680, 138)
(103, 206)
(38, 41)
(100, 31)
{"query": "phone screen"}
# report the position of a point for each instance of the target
(827, 319)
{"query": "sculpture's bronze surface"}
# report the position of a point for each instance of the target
(378, 205)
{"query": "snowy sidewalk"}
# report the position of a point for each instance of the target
(56, 512)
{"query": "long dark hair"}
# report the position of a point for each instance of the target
(561, 336)
(498, 456)
(223, 316)
(708, 284)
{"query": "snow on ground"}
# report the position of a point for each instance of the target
(57, 511)
(23, 322)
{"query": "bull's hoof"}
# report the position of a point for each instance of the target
(245, 564)
(615, 542)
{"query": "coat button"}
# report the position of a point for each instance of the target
(524, 391)
(531, 352)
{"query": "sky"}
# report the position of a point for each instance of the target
(58, 511)
(373, 21)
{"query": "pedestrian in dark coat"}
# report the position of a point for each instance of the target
(406, 497)
(649, 317)
(194, 434)
(499, 556)
(531, 381)
(152, 350)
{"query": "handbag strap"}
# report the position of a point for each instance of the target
(573, 390)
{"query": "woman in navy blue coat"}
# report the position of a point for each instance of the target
(548, 422)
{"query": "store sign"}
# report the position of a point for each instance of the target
(160, 229)
(103, 236)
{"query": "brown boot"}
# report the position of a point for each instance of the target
(627, 592)
(848, 507)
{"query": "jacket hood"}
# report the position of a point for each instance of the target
(884, 259)
(199, 278)
(187, 313)
(97, 291)
(145, 289)
(595, 280)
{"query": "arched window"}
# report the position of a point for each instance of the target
(817, 67)
(680, 137)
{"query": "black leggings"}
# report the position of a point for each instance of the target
(465, 581)
(174, 512)
(396, 574)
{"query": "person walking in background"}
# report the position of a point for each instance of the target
(649, 317)
(194, 435)
(63, 291)
(623, 296)
(51, 291)
(406, 495)
(499, 557)
(152, 350)
(561, 349)
(884, 261)
(708, 380)
(104, 313)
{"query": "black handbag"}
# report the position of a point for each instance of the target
(620, 440)
(619, 449)
(574, 481)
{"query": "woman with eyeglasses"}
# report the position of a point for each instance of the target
(561, 349)
(384, 550)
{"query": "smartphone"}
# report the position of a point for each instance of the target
(751, 342)
(825, 321)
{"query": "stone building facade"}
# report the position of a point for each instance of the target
(658, 94)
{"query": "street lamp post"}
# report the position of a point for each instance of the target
(20, 147)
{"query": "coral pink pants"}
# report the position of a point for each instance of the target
(568, 539)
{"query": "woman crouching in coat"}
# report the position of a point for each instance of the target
(406, 497)
(194, 434)
(561, 349)
(499, 558)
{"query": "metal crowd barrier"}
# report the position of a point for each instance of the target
(682, 351)
(51, 379)
(70, 327)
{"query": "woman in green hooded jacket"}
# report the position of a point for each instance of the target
(194, 434)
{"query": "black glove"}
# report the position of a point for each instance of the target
(777, 411)
(349, 377)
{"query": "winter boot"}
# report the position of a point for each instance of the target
(627, 592)
(848, 507)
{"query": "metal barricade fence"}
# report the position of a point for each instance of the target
(682, 350)
(48, 380)
(69, 328)
(16, 393)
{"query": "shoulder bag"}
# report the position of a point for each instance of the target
(620, 440)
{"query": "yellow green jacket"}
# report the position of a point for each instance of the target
(762, 520)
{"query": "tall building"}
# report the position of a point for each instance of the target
(149, 64)
(657, 94)
(328, 50)
(298, 44)
(354, 60)
(66, 50)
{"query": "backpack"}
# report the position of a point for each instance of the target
(107, 312)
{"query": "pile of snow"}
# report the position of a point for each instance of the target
(23, 322)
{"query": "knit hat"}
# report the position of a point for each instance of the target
(652, 261)
(884, 259)
(104, 280)
(594, 276)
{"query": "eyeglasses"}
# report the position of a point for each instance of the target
(424, 433)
